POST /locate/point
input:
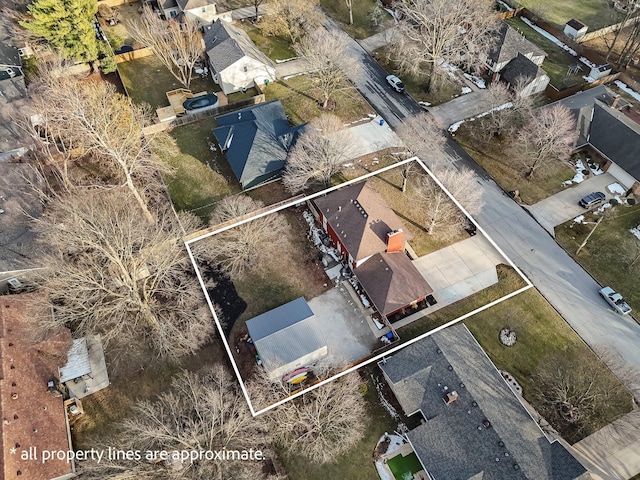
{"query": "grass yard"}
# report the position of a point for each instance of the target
(363, 26)
(557, 61)
(200, 176)
(541, 332)
(594, 13)
(415, 86)
(496, 160)
(119, 35)
(147, 80)
(357, 464)
(606, 255)
(276, 48)
(300, 98)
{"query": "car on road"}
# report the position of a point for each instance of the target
(592, 200)
(615, 300)
(396, 83)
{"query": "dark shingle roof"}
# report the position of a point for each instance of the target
(453, 442)
(362, 235)
(392, 281)
(256, 141)
(520, 67)
(616, 136)
(576, 24)
(509, 42)
(226, 44)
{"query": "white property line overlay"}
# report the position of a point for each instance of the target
(377, 357)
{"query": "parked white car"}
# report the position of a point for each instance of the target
(615, 300)
(396, 83)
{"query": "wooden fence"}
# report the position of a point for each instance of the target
(554, 94)
(115, 3)
(194, 117)
(606, 30)
(128, 56)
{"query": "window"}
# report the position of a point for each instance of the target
(245, 69)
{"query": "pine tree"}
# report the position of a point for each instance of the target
(67, 25)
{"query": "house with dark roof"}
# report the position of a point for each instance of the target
(372, 239)
(525, 74)
(13, 97)
(472, 425)
(287, 338)
(575, 29)
(256, 141)
(234, 60)
(508, 43)
(605, 128)
(32, 409)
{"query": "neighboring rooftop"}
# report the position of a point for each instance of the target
(226, 44)
(256, 141)
(31, 416)
(190, 4)
(520, 68)
(392, 282)
(484, 432)
(509, 42)
(361, 218)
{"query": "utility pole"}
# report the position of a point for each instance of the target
(589, 236)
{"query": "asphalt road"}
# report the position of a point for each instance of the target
(563, 282)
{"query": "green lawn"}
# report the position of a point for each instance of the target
(363, 26)
(594, 13)
(148, 80)
(404, 467)
(300, 98)
(357, 464)
(557, 62)
(604, 256)
(276, 48)
(200, 176)
(496, 160)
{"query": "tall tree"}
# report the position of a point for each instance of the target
(109, 272)
(458, 32)
(292, 18)
(327, 53)
(630, 8)
(178, 44)
(548, 136)
(322, 150)
(67, 25)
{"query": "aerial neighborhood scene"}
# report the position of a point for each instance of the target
(320, 239)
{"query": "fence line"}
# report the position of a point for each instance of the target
(604, 31)
(132, 55)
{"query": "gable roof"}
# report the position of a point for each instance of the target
(256, 141)
(509, 42)
(32, 417)
(226, 44)
(392, 281)
(616, 136)
(190, 4)
(453, 442)
(520, 67)
(286, 333)
(361, 218)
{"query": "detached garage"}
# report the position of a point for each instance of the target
(287, 338)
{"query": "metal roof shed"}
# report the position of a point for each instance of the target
(287, 337)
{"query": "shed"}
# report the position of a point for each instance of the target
(575, 29)
(287, 337)
(600, 71)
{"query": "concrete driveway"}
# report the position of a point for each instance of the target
(461, 108)
(563, 206)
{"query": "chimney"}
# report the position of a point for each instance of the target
(615, 102)
(395, 241)
(450, 397)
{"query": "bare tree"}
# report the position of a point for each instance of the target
(178, 44)
(575, 393)
(548, 136)
(321, 424)
(256, 6)
(112, 273)
(90, 119)
(321, 151)
(630, 11)
(435, 31)
(248, 246)
(201, 413)
(442, 216)
(292, 18)
(328, 57)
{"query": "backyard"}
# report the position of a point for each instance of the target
(557, 62)
(363, 25)
(609, 252)
(496, 160)
(276, 48)
(594, 13)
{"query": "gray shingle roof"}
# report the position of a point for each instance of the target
(453, 442)
(256, 141)
(509, 42)
(189, 4)
(520, 67)
(576, 24)
(226, 44)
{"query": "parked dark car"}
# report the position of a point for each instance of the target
(592, 200)
(210, 100)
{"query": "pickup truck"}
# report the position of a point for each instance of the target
(615, 300)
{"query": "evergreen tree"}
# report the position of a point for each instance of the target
(67, 25)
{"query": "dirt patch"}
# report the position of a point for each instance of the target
(229, 305)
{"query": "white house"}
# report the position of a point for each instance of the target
(525, 74)
(235, 62)
(508, 44)
(574, 29)
(204, 12)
